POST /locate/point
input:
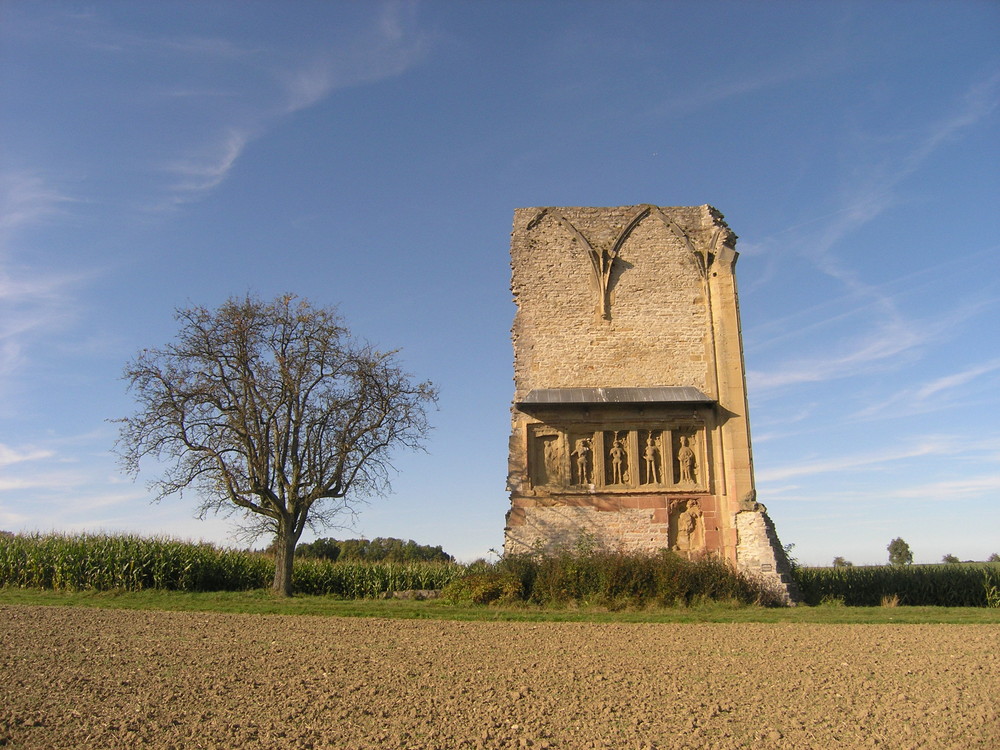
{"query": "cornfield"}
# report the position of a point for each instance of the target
(954, 585)
(132, 563)
(359, 580)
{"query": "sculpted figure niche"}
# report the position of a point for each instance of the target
(583, 453)
(619, 460)
(651, 456)
(686, 460)
(688, 538)
(616, 460)
(546, 458)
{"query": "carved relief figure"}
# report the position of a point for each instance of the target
(686, 460)
(552, 456)
(546, 455)
(650, 455)
(582, 450)
(618, 460)
(688, 536)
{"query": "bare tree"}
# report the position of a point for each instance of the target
(272, 410)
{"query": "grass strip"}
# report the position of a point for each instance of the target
(261, 602)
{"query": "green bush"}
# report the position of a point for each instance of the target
(484, 584)
(609, 579)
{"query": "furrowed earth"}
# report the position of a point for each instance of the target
(76, 677)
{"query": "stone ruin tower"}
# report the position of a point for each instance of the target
(629, 423)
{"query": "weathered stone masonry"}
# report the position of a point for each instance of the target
(629, 425)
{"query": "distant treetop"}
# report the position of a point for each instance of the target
(899, 552)
(374, 550)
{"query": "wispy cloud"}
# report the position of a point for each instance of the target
(939, 393)
(48, 474)
(884, 346)
(894, 342)
(953, 489)
(929, 446)
(202, 174)
(872, 192)
(964, 489)
(874, 186)
(389, 46)
(203, 46)
(31, 299)
(27, 307)
(806, 62)
(955, 380)
(721, 91)
(27, 197)
(10, 455)
(102, 500)
(979, 101)
(222, 90)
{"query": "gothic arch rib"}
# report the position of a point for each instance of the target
(723, 245)
(643, 212)
(603, 261)
(703, 259)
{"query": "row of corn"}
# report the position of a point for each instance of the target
(952, 585)
(133, 563)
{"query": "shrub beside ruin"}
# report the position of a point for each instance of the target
(609, 579)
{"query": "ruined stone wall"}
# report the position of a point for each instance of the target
(655, 332)
(760, 552)
(643, 299)
(567, 527)
(631, 524)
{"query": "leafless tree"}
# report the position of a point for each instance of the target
(274, 411)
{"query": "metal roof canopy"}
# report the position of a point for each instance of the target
(589, 396)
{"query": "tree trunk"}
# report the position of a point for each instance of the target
(284, 555)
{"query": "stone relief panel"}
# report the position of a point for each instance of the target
(687, 466)
(545, 460)
(687, 528)
(617, 470)
(582, 459)
(652, 459)
(627, 459)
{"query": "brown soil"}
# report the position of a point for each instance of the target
(102, 678)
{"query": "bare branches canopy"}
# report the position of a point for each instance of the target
(272, 408)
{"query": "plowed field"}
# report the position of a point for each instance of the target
(81, 678)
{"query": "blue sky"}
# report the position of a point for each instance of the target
(371, 155)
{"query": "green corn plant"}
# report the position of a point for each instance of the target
(928, 585)
(991, 590)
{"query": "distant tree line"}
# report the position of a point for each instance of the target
(372, 550)
(900, 554)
